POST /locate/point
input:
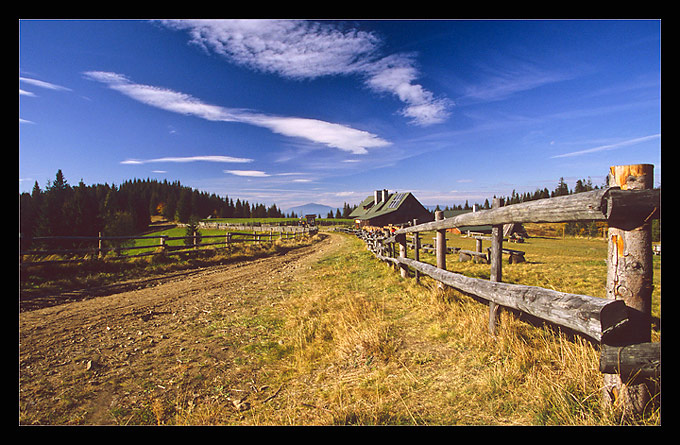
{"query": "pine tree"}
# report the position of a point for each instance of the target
(183, 212)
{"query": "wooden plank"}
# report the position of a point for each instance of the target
(592, 316)
(641, 359)
(597, 205)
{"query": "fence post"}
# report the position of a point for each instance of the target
(440, 242)
(99, 246)
(416, 250)
(440, 245)
(401, 239)
(496, 267)
(629, 278)
(161, 242)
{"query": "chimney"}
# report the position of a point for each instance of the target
(376, 197)
(385, 195)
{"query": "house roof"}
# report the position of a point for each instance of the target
(367, 209)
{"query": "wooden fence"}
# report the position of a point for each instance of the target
(98, 250)
(621, 323)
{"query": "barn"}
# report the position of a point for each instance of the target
(384, 208)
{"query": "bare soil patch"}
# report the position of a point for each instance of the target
(130, 354)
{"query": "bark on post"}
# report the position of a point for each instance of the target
(496, 267)
(440, 242)
(416, 250)
(629, 278)
(401, 239)
(478, 248)
(163, 243)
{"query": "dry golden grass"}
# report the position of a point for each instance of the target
(344, 340)
(362, 346)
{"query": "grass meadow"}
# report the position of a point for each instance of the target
(353, 343)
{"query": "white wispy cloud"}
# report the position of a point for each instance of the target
(609, 146)
(249, 173)
(43, 84)
(300, 49)
(508, 77)
(189, 159)
(330, 134)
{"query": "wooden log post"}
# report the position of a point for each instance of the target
(595, 317)
(393, 254)
(100, 250)
(401, 239)
(641, 359)
(629, 278)
(440, 244)
(496, 260)
(416, 250)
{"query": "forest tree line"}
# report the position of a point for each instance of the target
(87, 210)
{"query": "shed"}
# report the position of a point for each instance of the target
(384, 208)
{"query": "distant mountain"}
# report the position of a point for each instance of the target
(311, 209)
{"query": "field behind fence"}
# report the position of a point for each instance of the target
(166, 242)
(620, 322)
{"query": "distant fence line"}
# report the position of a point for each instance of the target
(161, 247)
(621, 323)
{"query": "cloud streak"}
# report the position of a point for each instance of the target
(609, 146)
(248, 173)
(299, 49)
(42, 84)
(508, 77)
(330, 134)
(188, 159)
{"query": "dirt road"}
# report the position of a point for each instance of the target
(99, 360)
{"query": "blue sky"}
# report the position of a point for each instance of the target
(291, 112)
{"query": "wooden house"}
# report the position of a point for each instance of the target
(383, 208)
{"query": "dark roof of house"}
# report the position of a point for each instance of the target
(368, 210)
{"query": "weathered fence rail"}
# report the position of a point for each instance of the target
(621, 322)
(161, 247)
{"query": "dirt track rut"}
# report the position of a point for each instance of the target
(93, 361)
